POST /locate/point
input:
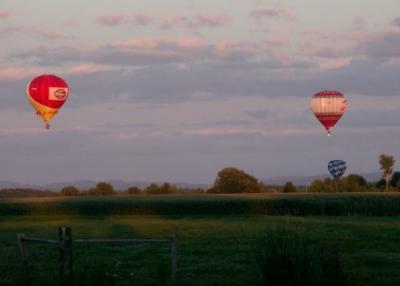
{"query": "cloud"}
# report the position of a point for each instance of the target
(88, 69)
(12, 74)
(33, 32)
(161, 42)
(5, 14)
(142, 19)
(71, 22)
(200, 20)
(117, 18)
(259, 15)
(396, 22)
(382, 44)
(110, 19)
(277, 40)
(195, 21)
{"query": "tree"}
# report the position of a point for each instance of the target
(395, 179)
(232, 180)
(353, 183)
(134, 191)
(152, 189)
(289, 188)
(316, 186)
(69, 191)
(167, 188)
(386, 162)
(102, 189)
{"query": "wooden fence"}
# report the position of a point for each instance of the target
(65, 243)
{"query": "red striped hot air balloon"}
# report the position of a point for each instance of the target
(328, 107)
(47, 93)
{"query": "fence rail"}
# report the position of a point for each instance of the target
(65, 243)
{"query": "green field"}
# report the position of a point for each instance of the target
(217, 235)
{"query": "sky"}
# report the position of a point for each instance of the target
(177, 90)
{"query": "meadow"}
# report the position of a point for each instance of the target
(217, 235)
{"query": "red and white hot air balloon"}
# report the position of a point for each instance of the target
(328, 107)
(47, 93)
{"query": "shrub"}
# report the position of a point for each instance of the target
(102, 189)
(289, 188)
(69, 191)
(134, 191)
(152, 189)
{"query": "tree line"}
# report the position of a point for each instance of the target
(232, 180)
(106, 189)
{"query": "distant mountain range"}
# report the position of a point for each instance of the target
(306, 180)
(123, 185)
(87, 184)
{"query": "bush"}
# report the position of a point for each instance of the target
(289, 188)
(69, 191)
(102, 189)
(134, 191)
(167, 188)
(152, 189)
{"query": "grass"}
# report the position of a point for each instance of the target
(213, 249)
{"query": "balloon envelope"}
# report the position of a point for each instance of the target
(337, 168)
(47, 94)
(328, 107)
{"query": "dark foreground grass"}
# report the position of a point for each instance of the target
(213, 250)
(365, 204)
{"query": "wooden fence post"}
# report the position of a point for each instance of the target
(24, 256)
(174, 238)
(65, 255)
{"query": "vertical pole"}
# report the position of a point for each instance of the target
(24, 256)
(174, 238)
(65, 255)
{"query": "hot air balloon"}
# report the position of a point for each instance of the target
(47, 93)
(328, 107)
(337, 168)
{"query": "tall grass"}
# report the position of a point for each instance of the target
(284, 259)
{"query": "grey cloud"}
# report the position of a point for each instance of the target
(169, 83)
(33, 32)
(372, 118)
(385, 45)
(396, 22)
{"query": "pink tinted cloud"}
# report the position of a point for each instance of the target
(110, 19)
(4, 14)
(157, 42)
(17, 73)
(277, 40)
(35, 32)
(396, 22)
(197, 21)
(228, 48)
(45, 34)
(211, 20)
(87, 69)
(71, 22)
(260, 15)
(359, 22)
(116, 19)
(142, 19)
(211, 131)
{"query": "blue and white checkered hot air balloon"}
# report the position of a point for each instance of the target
(337, 168)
